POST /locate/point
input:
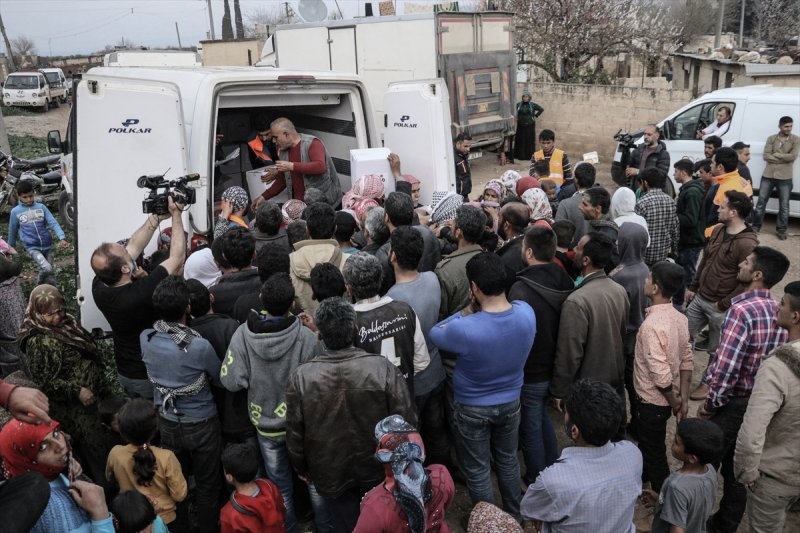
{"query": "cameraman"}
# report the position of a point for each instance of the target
(126, 302)
(651, 153)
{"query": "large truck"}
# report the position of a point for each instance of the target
(472, 52)
(128, 122)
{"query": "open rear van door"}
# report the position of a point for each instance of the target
(134, 128)
(417, 120)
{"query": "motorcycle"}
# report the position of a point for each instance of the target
(44, 172)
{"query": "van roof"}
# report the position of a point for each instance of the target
(25, 73)
(51, 69)
(753, 91)
(213, 75)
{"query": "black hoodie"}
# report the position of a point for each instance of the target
(544, 288)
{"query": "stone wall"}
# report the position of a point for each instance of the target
(586, 117)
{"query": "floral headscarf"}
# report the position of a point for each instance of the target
(19, 447)
(509, 179)
(46, 299)
(400, 448)
(498, 187)
(539, 204)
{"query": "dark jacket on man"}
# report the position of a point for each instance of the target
(658, 157)
(544, 288)
(691, 216)
(332, 405)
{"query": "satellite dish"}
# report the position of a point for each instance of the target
(312, 10)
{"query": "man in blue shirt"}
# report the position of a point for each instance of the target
(492, 338)
(180, 365)
(595, 483)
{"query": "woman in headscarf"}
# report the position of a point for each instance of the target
(67, 365)
(411, 497)
(12, 309)
(539, 205)
(233, 205)
(524, 140)
(44, 449)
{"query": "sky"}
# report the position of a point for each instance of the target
(66, 27)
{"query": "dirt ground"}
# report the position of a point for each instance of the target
(483, 170)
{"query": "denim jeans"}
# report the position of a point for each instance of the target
(701, 313)
(279, 471)
(651, 427)
(764, 192)
(539, 444)
(198, 446)
(687, 258)
(487, 433)
(734, 495)
(433, 426)
(44, 262)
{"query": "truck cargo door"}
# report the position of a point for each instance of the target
(343, 49)
(417, 120)
(477, 60)
(125, 129)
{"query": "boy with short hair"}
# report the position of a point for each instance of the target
(662, 369)
(30, 221)
(687, 497)
(560, 170)
(255, 504)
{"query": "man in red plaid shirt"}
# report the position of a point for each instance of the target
(749, 332)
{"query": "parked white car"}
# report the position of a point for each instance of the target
(28, 89)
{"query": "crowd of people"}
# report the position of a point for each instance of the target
(346, 366)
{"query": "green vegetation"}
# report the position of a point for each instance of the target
(16, 111)
(27, 146)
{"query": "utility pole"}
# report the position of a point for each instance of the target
(718, 35)
(741, 27)
(179, 34)
(9, 53)
(210, 20)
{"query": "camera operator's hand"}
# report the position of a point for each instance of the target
(630, 171)
(174, 203)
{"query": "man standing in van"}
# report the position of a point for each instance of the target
(304, 162)
(780, 151)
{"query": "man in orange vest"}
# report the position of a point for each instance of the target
(560, 170)
(261, 144)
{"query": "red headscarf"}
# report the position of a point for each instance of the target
(19, 446)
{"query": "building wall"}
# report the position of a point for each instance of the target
(231, 53)
(586, 117)
(700, 75)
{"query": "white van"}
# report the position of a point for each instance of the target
(58, 83)
(756, 110)
(129, 122)
(27, 89)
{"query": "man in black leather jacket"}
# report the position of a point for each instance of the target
(332, 405)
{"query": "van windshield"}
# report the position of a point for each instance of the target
(22, 82)
(52, 77)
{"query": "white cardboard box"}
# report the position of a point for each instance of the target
(372, 161)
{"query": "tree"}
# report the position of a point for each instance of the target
(237, 13)
(776, 20)
(227, 27)
(562, 37)
(23, 48)
(268, 16)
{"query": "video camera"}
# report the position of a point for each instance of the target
(157, 200)
(627, 140)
